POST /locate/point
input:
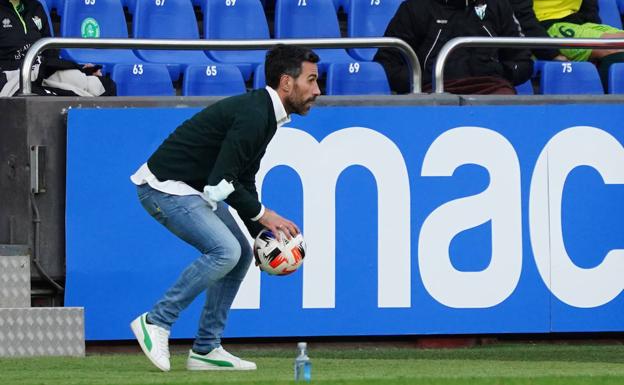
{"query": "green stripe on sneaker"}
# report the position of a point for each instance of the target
(146, 338)
(214, 362)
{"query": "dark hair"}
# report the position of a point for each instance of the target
(286, 59)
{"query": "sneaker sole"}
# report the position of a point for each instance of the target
(138, 334)
(206, 367)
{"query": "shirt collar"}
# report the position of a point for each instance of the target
(280, 112)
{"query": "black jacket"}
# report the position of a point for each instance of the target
(531, 27)
(19, 32)
(226, 140)
(426, 25)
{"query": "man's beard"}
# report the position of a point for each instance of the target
(300, 107)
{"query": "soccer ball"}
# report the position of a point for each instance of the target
(278, 257)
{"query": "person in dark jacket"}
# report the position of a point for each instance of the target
(23, 23)
(426, 25)
(210, 159)
(568, 19)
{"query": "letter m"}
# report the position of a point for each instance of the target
(319, 165)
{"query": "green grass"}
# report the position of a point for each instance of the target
(513, 364)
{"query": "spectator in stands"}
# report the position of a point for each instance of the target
(23, 23)
(426, 25)
(210, 159)
(569, 19)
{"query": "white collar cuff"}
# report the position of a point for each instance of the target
(280, 112)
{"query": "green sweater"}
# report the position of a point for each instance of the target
(223, 141)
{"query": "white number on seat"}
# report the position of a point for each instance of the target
(566, 67)
(354, 67)
(137, 69)
(211, 70)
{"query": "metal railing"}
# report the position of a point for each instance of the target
(50, 42)
(513, 42)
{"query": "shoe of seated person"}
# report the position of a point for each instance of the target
(217, 359)
(154, 341)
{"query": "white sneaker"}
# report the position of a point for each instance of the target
(217, 359)
(154, 341)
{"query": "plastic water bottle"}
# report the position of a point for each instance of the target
(303, 367)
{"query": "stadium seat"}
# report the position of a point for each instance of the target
(525, 88)
(242, 19)
(609, 13)
(616, 78)
(142, 79)
(259, 79)
(570, 78)
(310, 19)
(131, 4)
(620, 5)
(169, 19)
(369, 19)
(98, 19)
(357, 78)
(214, 79)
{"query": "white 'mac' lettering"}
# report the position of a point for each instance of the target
(573, 147)
(499, 203)
(319, 165)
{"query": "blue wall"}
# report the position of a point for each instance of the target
(445, 222)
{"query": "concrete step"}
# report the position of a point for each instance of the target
(14, 281)
(42, 331)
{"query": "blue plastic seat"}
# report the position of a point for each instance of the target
(101, 19)
(620, 5)
(242, 19)
(259, 79)
(525, 88)
(609, 13)
(570, 78)
(214, 79)
(310, 19)
(616, 78)
(357, 78)
(168, 19)
(142, 79)
(369, 19)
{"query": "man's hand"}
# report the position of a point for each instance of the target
(274, 222)
(89, 65)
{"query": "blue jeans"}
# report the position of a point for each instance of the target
(219, 270)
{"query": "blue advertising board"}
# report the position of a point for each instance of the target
(418, 220)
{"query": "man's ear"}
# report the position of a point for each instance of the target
(285, 83)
